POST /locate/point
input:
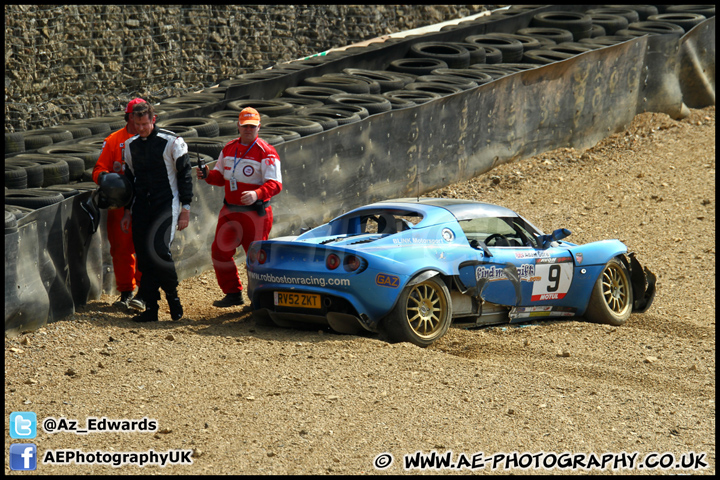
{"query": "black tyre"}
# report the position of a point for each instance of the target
(302, 102)
(34, 141)
(295, 123)
(404, 77)
(611, 300)
(492, 55)
(416, 66)
(313, 93)
(655, 28)
(205, 145)
(15, 177)
(65, 190)
(511, 48)
(227, 127)
(400, 103)
(58, 134)
(96, 125)
(271, 108)
(477, 52)
(644, 11)
(184, 131)
(606, 40)
(326, 122)
(628, 13)
(205, 127)
(422, 315)
(385, 81)
(543, 57)
(33, 198)
(284, 133)
(496, 71)
(10, 222)
(685, 20)
(75, 165)
(17, 211)
(95, 141)
(14, 142)
(33, 170)
(441, 89)
(462, 82)
(55, 170)
(372, 103)
(571, 48)
(77, 131)
(418, 97)
(360, 111)
(555, 35)
(274, 139)
(454, 55)
(611, 23)
(528, 42)
(342, 117)
(88, 153)
(579, 24)
(475, 75)
(706, 10)
(344, 82)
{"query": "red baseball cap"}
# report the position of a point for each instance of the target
(132, 104)
(249, 116)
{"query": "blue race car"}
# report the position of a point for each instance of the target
(411, 267)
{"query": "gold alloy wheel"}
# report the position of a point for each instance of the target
(426, 309)
(616, 288)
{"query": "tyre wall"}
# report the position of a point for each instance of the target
(406, 152)
(64, 62)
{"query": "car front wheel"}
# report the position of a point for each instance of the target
(422, 315)
(611, 301)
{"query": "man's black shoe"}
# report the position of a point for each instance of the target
(146, 316)
(136, 303)
(125, 298)
(176, 310)
(230, 300)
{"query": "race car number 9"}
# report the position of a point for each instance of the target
(554, 281)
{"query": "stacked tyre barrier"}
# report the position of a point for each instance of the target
(393, 118)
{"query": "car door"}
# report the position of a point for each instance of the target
(514, 272)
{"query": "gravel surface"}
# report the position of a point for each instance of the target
(259, 400)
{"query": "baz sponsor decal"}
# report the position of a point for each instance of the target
(385, 280)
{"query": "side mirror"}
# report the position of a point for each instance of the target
(557, 235)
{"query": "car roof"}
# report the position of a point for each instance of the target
(461, 209)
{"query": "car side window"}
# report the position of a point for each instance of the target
(499, 232)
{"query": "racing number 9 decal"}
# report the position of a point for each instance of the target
(553, 279)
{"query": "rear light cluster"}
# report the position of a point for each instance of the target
(259, 255)
(350, 263)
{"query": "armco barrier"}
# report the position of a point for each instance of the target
(52, 263)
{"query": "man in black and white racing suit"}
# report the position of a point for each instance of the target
(159, 168)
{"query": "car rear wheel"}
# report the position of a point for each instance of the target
(611, 300)
(422, 315)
